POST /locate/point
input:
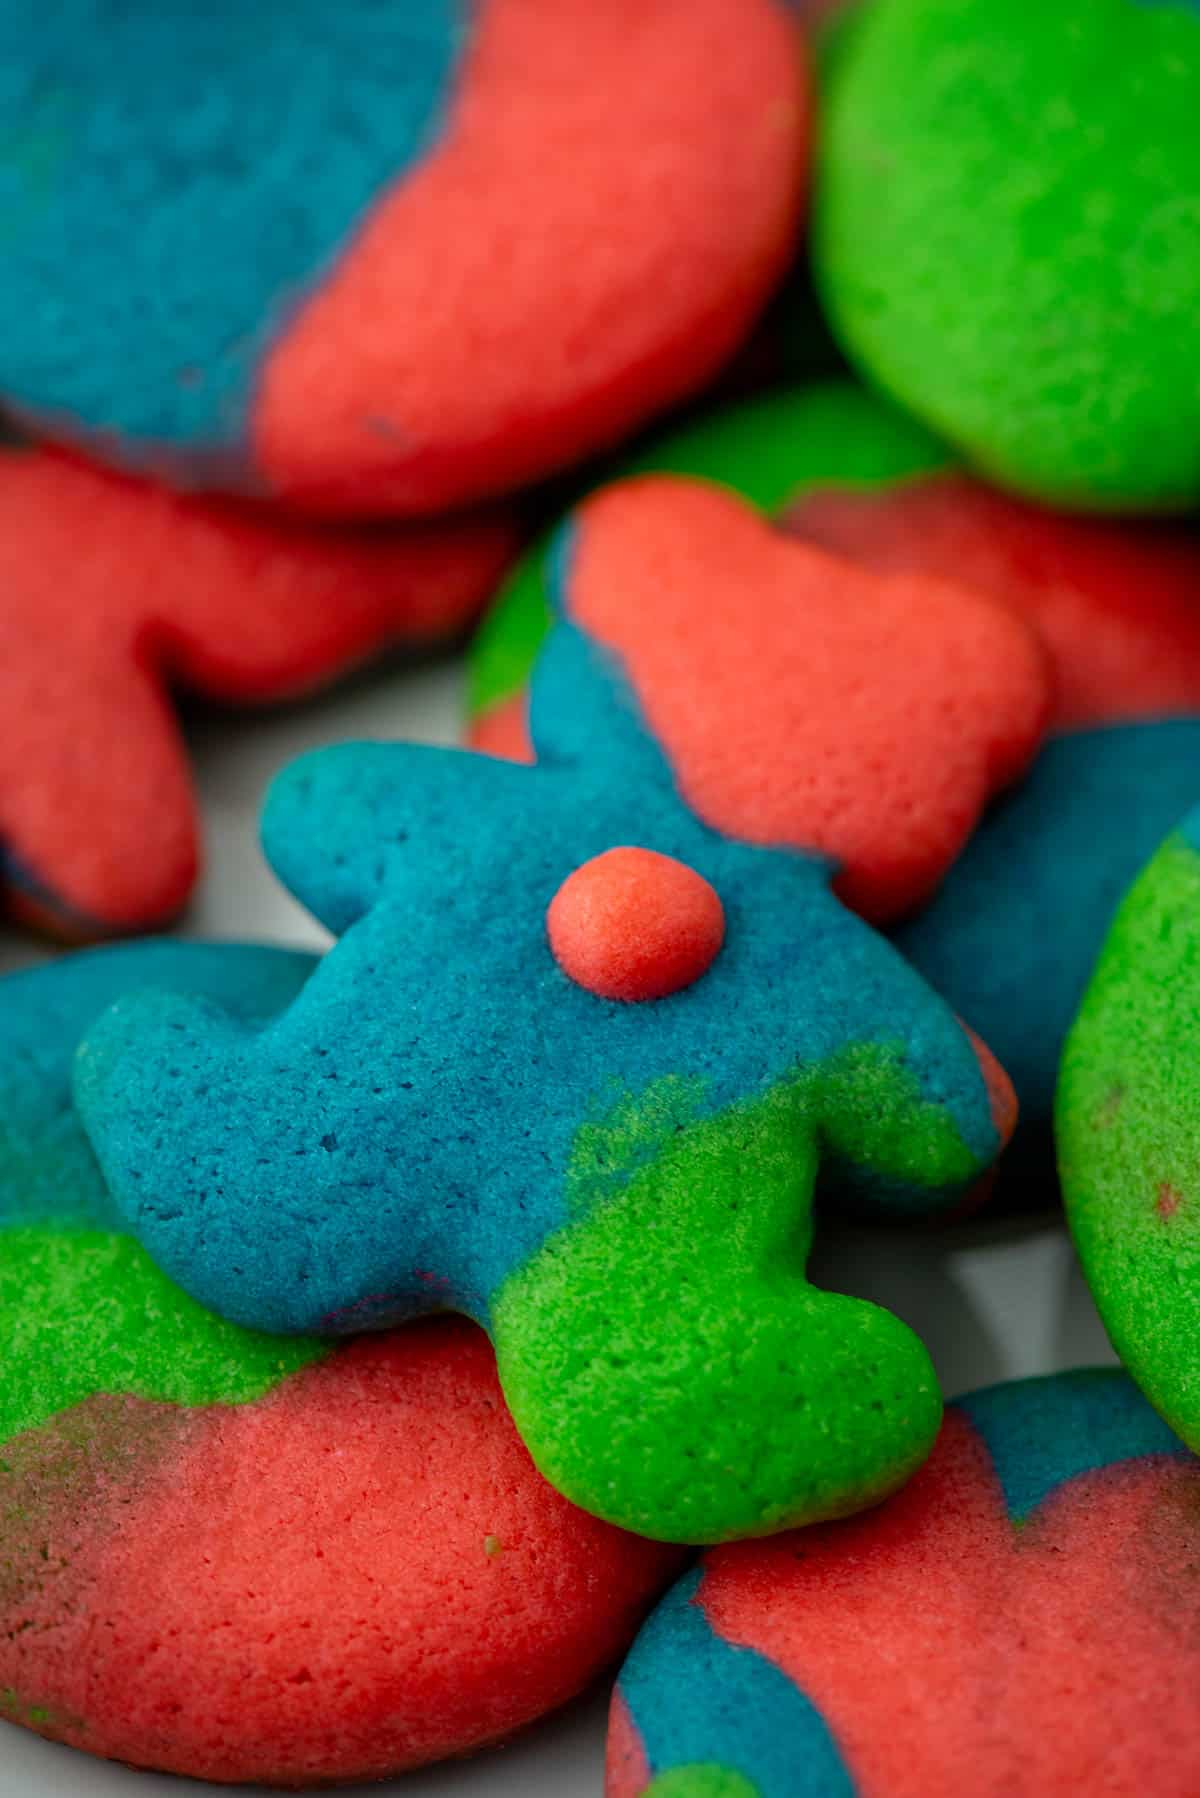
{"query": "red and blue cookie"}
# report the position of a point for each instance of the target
(595, 1028)
(241, 1558)
(113, 591)
(386, 257)
(1022, 1621)
(1116, 605)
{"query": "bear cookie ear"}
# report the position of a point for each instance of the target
(348, 826)
(799, 700)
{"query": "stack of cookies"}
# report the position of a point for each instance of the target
(789, 417)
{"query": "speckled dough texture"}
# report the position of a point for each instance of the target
(112, 592)
(1128, 1128)
(1117, 604)
(1006, 221)
(758, 663)
(240, 1557)
(621, 1192)
(1019, 1622)
(380, 257)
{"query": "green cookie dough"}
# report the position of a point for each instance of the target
(1007, 235)
(1128, 1128)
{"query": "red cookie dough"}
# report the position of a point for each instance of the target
(799, 699)
(112, 591)
(1117, 605)
(355, 1574)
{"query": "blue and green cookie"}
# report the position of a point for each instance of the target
(237, 1556)
(597, 1029)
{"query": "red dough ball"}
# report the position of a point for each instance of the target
(633, 924)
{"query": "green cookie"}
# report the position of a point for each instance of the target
(1007, 235)
(1128, 1125)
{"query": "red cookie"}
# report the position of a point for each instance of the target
(1117, 606)
(1019, 1622)
(355, 1574)
(387, 258)
(800, 700)
(110, 592)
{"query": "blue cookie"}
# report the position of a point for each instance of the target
(1011, 938)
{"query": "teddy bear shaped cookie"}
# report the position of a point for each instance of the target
(1012, 932)
(595, 1029)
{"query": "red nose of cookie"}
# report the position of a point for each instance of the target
(632, 924)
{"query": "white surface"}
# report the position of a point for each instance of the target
(992, 1301)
